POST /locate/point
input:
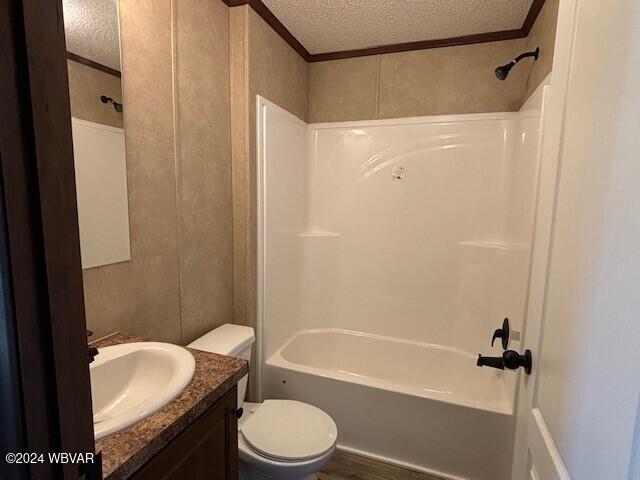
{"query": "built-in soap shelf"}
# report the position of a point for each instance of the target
(318, 234)
(493, 245)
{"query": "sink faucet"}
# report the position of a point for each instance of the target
(92, 351)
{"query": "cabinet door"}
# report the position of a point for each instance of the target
(208, 449)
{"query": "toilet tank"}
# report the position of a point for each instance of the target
(232, 340)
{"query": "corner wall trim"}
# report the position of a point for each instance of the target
(90, 63)
(268, 16)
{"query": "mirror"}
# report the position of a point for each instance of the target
(95, 90)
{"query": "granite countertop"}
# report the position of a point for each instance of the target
(126, 451)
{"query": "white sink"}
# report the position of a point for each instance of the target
(133, 380)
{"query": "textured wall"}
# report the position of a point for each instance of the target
(450, 80)
(436, 81)
(262, 64)
(344, 89)
(86, 84)
(422, 82)
(176, 96)
(141, 296)
(543, 35)
(241, 168)
(203, 140)
(276, 71)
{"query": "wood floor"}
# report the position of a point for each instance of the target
(345, 466)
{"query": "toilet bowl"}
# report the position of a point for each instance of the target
(277, 439)
(284, 439)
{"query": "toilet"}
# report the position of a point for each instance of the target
(277, 439)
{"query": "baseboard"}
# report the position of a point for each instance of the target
(398, 463)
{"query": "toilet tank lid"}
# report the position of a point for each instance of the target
(227, 339)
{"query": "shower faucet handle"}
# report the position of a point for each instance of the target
(509, 359)
(503, 334)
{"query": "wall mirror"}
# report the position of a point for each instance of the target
(97, 110)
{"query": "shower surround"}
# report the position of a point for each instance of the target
(388, 253)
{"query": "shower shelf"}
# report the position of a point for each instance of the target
(318, 234)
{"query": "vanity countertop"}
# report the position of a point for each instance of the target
(126, 451)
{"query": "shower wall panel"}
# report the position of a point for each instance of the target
(406, 227)
(413, 228)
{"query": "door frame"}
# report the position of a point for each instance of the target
(43, 269)
(551, 135)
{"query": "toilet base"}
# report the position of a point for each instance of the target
(246, 472)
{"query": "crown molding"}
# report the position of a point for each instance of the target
(267, 15)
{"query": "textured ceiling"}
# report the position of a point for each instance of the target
(334, 25)
(91, 30)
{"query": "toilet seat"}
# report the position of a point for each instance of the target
(289, 431)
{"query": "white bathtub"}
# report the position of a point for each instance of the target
(423, 406)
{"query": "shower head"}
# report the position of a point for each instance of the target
(503, 72)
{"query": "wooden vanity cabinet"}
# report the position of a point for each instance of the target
(207, 449)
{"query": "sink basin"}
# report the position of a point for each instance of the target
(133, 380)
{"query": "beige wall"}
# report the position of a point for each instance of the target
(422, 82)
(141, 296)
(86, 85)
(276, 71)
(543, 35)
(262, 64)
(438, 81)
(179, 282)
(450, 80)
(344, 89)
(204, 166)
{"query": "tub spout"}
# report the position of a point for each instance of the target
(494, 362)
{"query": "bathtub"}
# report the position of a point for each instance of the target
(422, 406)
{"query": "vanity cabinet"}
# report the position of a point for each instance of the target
(207, 449)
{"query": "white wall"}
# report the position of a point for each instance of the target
(422, 258)
(282, 184)
(588, 382)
